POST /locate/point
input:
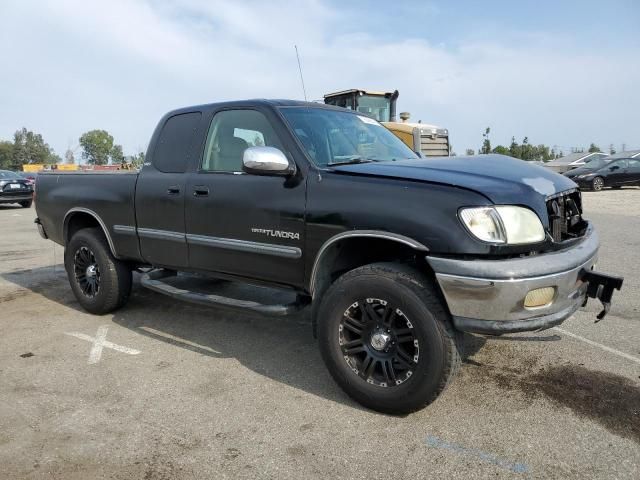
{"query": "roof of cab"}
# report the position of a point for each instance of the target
(254, 103)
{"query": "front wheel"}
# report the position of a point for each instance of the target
(387, 339)
(597, 184)
(100, 282)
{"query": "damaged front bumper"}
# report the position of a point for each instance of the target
(491, 296)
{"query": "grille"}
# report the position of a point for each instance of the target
(565, 216)
(434, 145)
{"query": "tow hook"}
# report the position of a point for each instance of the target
(601, 286)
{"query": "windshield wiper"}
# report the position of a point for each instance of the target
(351, 161)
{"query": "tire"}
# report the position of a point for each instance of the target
(26, 204)
(88, 258)
(416, 310)
(597, 184)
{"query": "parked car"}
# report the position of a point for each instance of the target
(29, 176)
(595, 163)
(15, 189)
(618, 173)
(394, 254)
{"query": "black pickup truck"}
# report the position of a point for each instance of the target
(395, 255)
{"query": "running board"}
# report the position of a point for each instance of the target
(154, 281)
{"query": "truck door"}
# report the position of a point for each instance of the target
(160, 192)
(242, 224)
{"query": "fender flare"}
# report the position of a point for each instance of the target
(359, 234)
(105, 230)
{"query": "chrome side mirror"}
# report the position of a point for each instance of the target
(266, 161)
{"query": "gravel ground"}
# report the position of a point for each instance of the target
(213, 394)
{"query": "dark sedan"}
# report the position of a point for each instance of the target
(618, 173)
(590, 166)
(15, 189)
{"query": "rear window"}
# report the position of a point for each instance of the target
(7, 174)
(175, 143)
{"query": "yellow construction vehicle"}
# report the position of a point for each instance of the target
(428, 140)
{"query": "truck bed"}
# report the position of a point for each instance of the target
(107, 196)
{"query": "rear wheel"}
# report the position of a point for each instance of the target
(100, 282)
(387, 339)
(26, 204)
(597, 184)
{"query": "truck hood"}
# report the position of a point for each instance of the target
(501, 179)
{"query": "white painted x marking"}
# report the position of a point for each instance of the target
(99, 342)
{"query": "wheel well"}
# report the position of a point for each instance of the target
(349, 253)
(76, 221)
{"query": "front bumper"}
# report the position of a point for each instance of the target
(584, 182)
(487, 296)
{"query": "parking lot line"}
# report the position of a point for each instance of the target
(598, 345)
(435, 442)
(99, 342)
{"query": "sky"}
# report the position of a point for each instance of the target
(562, 73)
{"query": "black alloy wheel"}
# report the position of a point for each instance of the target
(87, 271)
(386, 337)
(100, 282)
(378, 342)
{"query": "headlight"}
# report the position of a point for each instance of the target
(503, 224)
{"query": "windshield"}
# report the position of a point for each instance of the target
(375, 106)
(595, 163)
(333, 137)
(6, 174)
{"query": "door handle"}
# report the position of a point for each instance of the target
(200, 191)
(173, 190)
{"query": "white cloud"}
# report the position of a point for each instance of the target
(120, 65)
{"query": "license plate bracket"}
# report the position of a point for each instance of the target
(601, 286)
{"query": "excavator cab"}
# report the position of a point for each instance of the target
(379, 105)
(427, 140)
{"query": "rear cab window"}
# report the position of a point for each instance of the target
(175, 143)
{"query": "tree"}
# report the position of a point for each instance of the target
(6, 155)
(612, 149)
(486, 143)
(29, 147)
(470, 151)
(594, 148)
(116, 154)
(69, 157)
(54, 158)
(138, 159)
(502, 150)
(514, 149)
(96, 146)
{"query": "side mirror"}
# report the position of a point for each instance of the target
(615, 167)
(266, 161)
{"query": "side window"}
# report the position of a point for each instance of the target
(175, 143)
(634, 163)
(233, 131)
(622, 164)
